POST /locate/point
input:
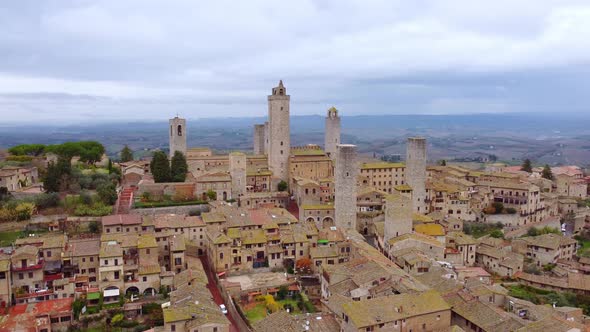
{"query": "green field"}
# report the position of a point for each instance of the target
(256, 314)
(7, 238)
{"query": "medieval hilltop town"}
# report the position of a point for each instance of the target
(292, 239)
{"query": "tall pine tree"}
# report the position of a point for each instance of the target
(160, 167)
(526, 166)
(126, 154)
(547, 174)
(178, 167)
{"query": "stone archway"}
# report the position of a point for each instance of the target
(225, 196)
(132, 290)
(150, 291)
(310, 219)
(327, 222)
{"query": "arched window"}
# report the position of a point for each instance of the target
(179, 130)
(220, 255)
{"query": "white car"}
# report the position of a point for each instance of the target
(223, 309)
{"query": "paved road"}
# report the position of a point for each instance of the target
(215, 292)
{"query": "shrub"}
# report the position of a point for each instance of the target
(282, 186)
(498, 207)
(96, 210)
(44, 201)
(117, 319)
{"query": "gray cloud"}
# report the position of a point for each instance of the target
(148, 59)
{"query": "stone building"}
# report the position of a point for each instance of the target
(416, 172)
(259, 139)
(332, 132)
(383, 176)
(279, 146)
(345, 182)
(177, 135)
(426, 311)
(5, 281)
(398, 216)
(237, 172)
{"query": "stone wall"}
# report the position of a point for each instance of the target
(345, 184)
(185, 209)
(416, 171)
(259, 139)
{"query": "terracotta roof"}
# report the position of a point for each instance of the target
(279, 321)
(122, 219)
(386, 309)
(84, 247)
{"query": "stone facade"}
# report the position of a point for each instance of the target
(416, 171)
(177, 135)
(345, 183)
(237, 171)
(332, 133)
(398, 216)
(259, 139)
(279, 147)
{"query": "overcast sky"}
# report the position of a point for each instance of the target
(76, 61)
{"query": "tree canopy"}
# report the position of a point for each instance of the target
(88, 151)
(178, 167)
(27, 150)
(126, 154)
(527, 166)
(547, 173)
(160, 167)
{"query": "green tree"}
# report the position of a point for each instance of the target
(498, 207)
(282, 186)
(27, 150)
(107, 193)
(526, 166)
(212, 195)
(57, 175)
(126, 154)
(178, 167)
(93, 227)
(547, 174)
(160, 167)
(442, 162)
(91, 151)
(496, 233)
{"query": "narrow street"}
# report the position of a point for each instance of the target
(215, 291)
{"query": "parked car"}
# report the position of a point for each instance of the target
(223, 309)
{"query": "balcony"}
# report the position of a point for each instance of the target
(51, 277)
(37, 266)
(34, 294)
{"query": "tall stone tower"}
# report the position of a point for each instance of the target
(398, 216)
(178, 134)
(259, 139)
(416, 172)
(345, 186)
(332, 134)
(266, 126)
(279, 144)
(237, 171)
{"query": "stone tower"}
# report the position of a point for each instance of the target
(279, 144)
(398, 216)
(266, 137)
(345, 186)
(237, 171)
(177, 137)
(259, 139)
(332, 134)
(416, 172)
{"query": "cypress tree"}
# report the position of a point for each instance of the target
(179, 167)
(547, 174)
(526, 166)
(126, 154)
(160, 167)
